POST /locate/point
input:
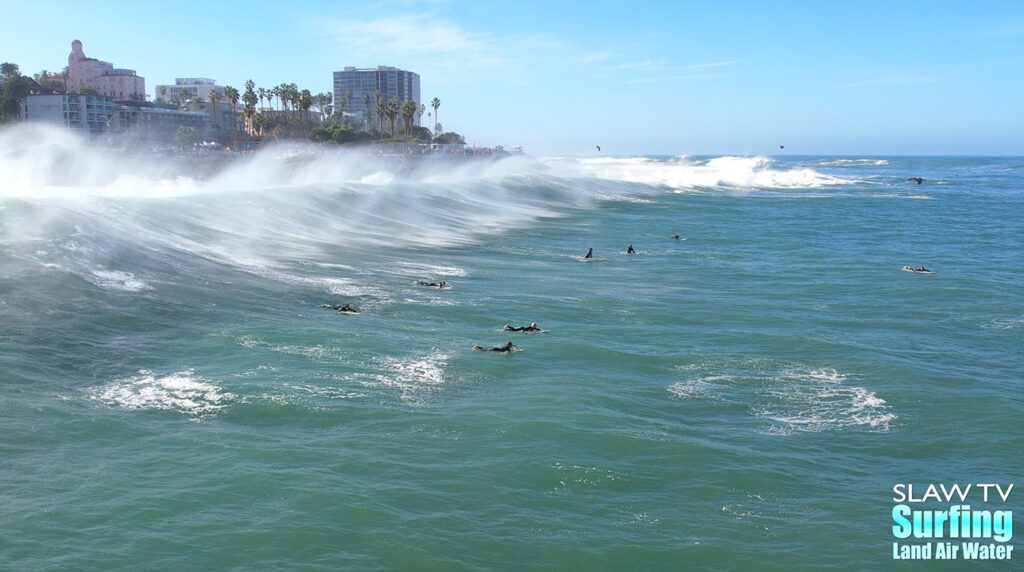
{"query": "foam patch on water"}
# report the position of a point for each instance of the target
(804, 399)
(181, 392)
(412, 376)
(700, 388)
(1003, 324)
(315, 352)
(791, 397)
(116, 280)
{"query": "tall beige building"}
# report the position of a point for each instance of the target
(121, 84)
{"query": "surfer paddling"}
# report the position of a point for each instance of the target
(346, 308)
(440, 284)
(531, 328)
(505, 348)
(917, 180)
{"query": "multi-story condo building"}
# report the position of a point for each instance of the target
(389, 81)
(186, 88)
(118, 83)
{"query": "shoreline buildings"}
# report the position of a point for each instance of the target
(118, 83)
(186, 88)
(391, 82)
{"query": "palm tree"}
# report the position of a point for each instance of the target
(276, 91)
(381, 112)
(250, 106)
(231, 94)
(262, 94)
(392, 111)
(16, 88)
(305, 101)
(366, 111)
(379, 97)
(435, 104)
(214, 96)
(408, 116)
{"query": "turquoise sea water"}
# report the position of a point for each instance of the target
(173, 395)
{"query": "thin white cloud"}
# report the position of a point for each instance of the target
(891, 79)
(432, 44)
(663, 66)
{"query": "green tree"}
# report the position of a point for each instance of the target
(14, 92)
(435, 103)
(7, 69)
(186, 137)
(214, 97)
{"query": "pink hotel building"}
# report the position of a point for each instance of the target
(121, 84)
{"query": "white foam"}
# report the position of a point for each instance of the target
(701, 387)
(316, 352)
(116, 280)
(803, 399)
(412, 376)
(181, 392)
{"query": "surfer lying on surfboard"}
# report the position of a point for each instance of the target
(531, 328)
(505, 348)
(345, 309)
(912, 269)
(440, 284)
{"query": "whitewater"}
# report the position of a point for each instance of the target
(177, 394)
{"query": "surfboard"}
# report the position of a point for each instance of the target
(346, 311)
(524, 332)
(582, 259)
(426, 285)
(917, 271)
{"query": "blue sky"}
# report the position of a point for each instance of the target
(895, 77)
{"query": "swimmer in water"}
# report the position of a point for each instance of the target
(505, 348)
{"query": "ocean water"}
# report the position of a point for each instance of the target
(174, 395)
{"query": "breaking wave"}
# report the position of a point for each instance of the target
(61, 197)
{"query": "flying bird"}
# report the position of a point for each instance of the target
(598, 147)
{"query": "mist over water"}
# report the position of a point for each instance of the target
(170, 375)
